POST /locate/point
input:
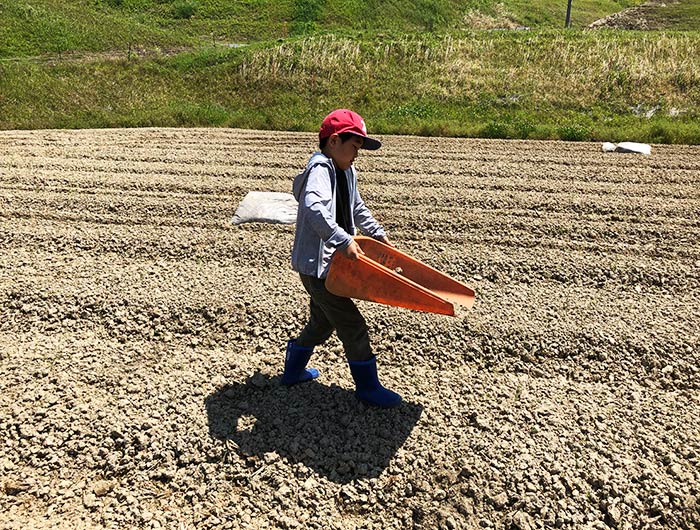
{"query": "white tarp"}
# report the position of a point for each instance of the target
(266, 207)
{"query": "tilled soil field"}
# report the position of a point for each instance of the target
(142, 338)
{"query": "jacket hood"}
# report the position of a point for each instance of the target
(300, 180)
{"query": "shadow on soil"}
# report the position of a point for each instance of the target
(323, 427)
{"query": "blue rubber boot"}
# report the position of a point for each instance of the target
(368, 387)
(295, 370)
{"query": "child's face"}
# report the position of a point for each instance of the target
(343, 153)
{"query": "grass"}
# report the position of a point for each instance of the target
(683, 16)
(541, 85)
(36, 27)
(53, 27)
(547, 14)
(410, 67)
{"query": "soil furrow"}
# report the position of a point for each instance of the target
(142, 337)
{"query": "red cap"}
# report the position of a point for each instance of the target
(344, 120)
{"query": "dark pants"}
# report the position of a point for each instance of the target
(330, 312)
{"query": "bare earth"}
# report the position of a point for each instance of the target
(142, 335)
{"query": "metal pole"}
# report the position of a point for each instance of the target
(568, 15)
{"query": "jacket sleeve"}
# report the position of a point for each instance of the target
(316, 200)
(363, 218)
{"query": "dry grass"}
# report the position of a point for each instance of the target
(579, 68)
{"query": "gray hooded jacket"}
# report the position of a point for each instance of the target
(317, 233)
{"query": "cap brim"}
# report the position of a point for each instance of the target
(370, 143)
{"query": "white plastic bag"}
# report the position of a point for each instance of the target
(266, 207)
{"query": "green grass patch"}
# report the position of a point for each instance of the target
(36, 27)
(558, 84)
(683, 15)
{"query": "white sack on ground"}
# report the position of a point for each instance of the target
(633, 147)
(627, 147)
(266, 207)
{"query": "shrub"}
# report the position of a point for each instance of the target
(184, 9)
(574, 133)
(495, 129)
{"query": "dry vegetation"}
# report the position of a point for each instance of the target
(535, 66)
(141, 339)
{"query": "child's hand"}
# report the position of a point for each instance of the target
(352, 251)
(385, 240)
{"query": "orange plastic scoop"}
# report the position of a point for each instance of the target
(388, 276)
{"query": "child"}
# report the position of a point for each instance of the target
(329, 209)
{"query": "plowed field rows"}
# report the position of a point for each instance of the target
(142, 338)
